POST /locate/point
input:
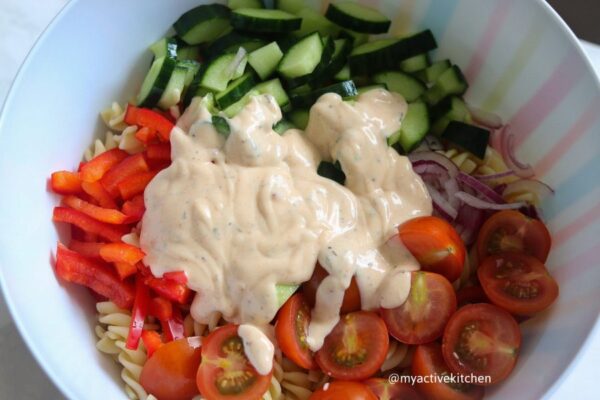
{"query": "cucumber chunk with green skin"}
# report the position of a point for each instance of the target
(365, 89)
(203, 24)
(299, 118)
(416, 63)
(235, 108)
(344, 89)
(383, 54)
(357, 38)
(263, 20)
(291, 6)
(165, 47)
(414, 128)
(450, 82)
(282, 126)
(231, 42)
(188, 53)
(341, 49)
(192, 68)
(332, 171)
(156, 81)
(172, 93)
(320, 71)
(284, 292)
(467, 137)
(312, 21)
(302, 58)
(221, 125)
(235, 4)
(432, 73)
(343, 74)
(409, 87)
(358, 17)
(452, 108)
(235, 90)
(265, 60)
(275, 89)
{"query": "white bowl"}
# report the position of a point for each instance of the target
(520, 58)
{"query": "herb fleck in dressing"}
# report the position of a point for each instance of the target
(257, 214)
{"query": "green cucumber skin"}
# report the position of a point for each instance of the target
(344, 89)
(263, 25)
(318, 73)
(467, 137)
(234, 94)
(202, 13)
(362, 26)
(159, 84)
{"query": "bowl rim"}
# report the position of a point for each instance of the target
(40, 357)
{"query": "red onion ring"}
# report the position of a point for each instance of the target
(485, 118)
(492, 177)
(476, 202)
(538, 188)
(508, 154)
(480, 188)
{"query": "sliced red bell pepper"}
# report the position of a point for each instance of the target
(152, 341)
(95, 169)
(138, 314)
(173, 327)
(168, 289)
(108, 215)
(65, 182)
(73, 267)
(124, 270)
(161, 308)
(143, 117)
(176, 276)
(111, 233)
(145, 134)
(132, 165)
(87, 249)
(159, 152)
(97, 192)
(135, 184)
(121, 253)
(134, 208)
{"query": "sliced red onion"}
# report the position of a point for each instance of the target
(492, 177)
(441, 205)
(475, 202)
(539, 188)
(485, 118)
(470, 220)
(431, 156)
(480, 188)
(508, 154)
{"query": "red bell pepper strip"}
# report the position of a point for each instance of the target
(97, 192)
(173, 327)
(159, 152)
(65, 182)
(73, 267)
(95, 169)
(111, 233)
(121, 253)
(138, 314)
(132, 165)
(152, 341)
(168, 289)
(161, 308)
(135, 208)
(108, 215)
(87, 249)
(124, 270)
(145, 135)
(143, 117)
(176, 276)
(135, 184)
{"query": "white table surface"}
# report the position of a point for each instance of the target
(21, 22)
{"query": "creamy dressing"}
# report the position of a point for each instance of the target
(258, 348)
(244, 213)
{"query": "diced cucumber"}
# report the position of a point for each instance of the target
(188, 53)
(221, 125)
(365, 89)
(415, 63)
(302, 58)
(282, 126)
(231, 42)
(320, 73)
(358, 17)
(313, 21)
(341, 49)
(450, 82)
(235, 4)
(344, 89)
(263, 20)
(156, 81)
(265, 60)
(203, 24)
(284, 292)
(164, 47)
(452, 108)
(385, 54)
(238, 65)
(343, 74)
(174, 89)
(467, 137)
(357, 38)
(235, 90)
(217, 74)
(299, 117)
(431, 73)
(275, 89)
(235, 108)
(291, 6)
(192, 69)
(414, 128)
(332, 171)
(409, 87)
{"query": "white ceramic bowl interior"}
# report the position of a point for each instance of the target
(520, 59)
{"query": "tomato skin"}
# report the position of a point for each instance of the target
(338, 390)
(362, 340)
(295, 316)
(518, 283)
(170, 374)
(435, 244)
(428, 361)
(512, 231)
(424, 314)
(483, 340)
(351, 295)
(223, 353)
(385, 390)
(471, 295)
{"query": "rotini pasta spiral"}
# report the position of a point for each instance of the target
(113, 117)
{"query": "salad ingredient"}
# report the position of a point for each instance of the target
(347, 390)
(356, 348)
(95, 169)
(511, 231)
(471, 295)
(143, 117)
(385, 390)
(129, 166)
(408, 86)
(121, 252)
(483, 340)
(344, 89)
(351, 300)
(423, 316)
(357, 17)
(112, 233)
(107, 215)
(135, 184)
(65, 182)
(152, 342)
(518, 283)
(97, 192)
(467, 137)
(264, 20)
(416, 63)
(450, 82)
(291, 331)
(203, 23)
(259, 349)
(138, 314)
(156, 81)
(265, 60)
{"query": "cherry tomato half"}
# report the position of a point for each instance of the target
(291, 331)
(511, 231)
(225, 373)
(351, 296)
(483, 340)
(170, 374)
(343, 390)
(356, 348)
(518, 283)
(435, 244)
(385, 390)
(428, 362)
(424, 314)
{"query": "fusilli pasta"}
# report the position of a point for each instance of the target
(113, 117)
